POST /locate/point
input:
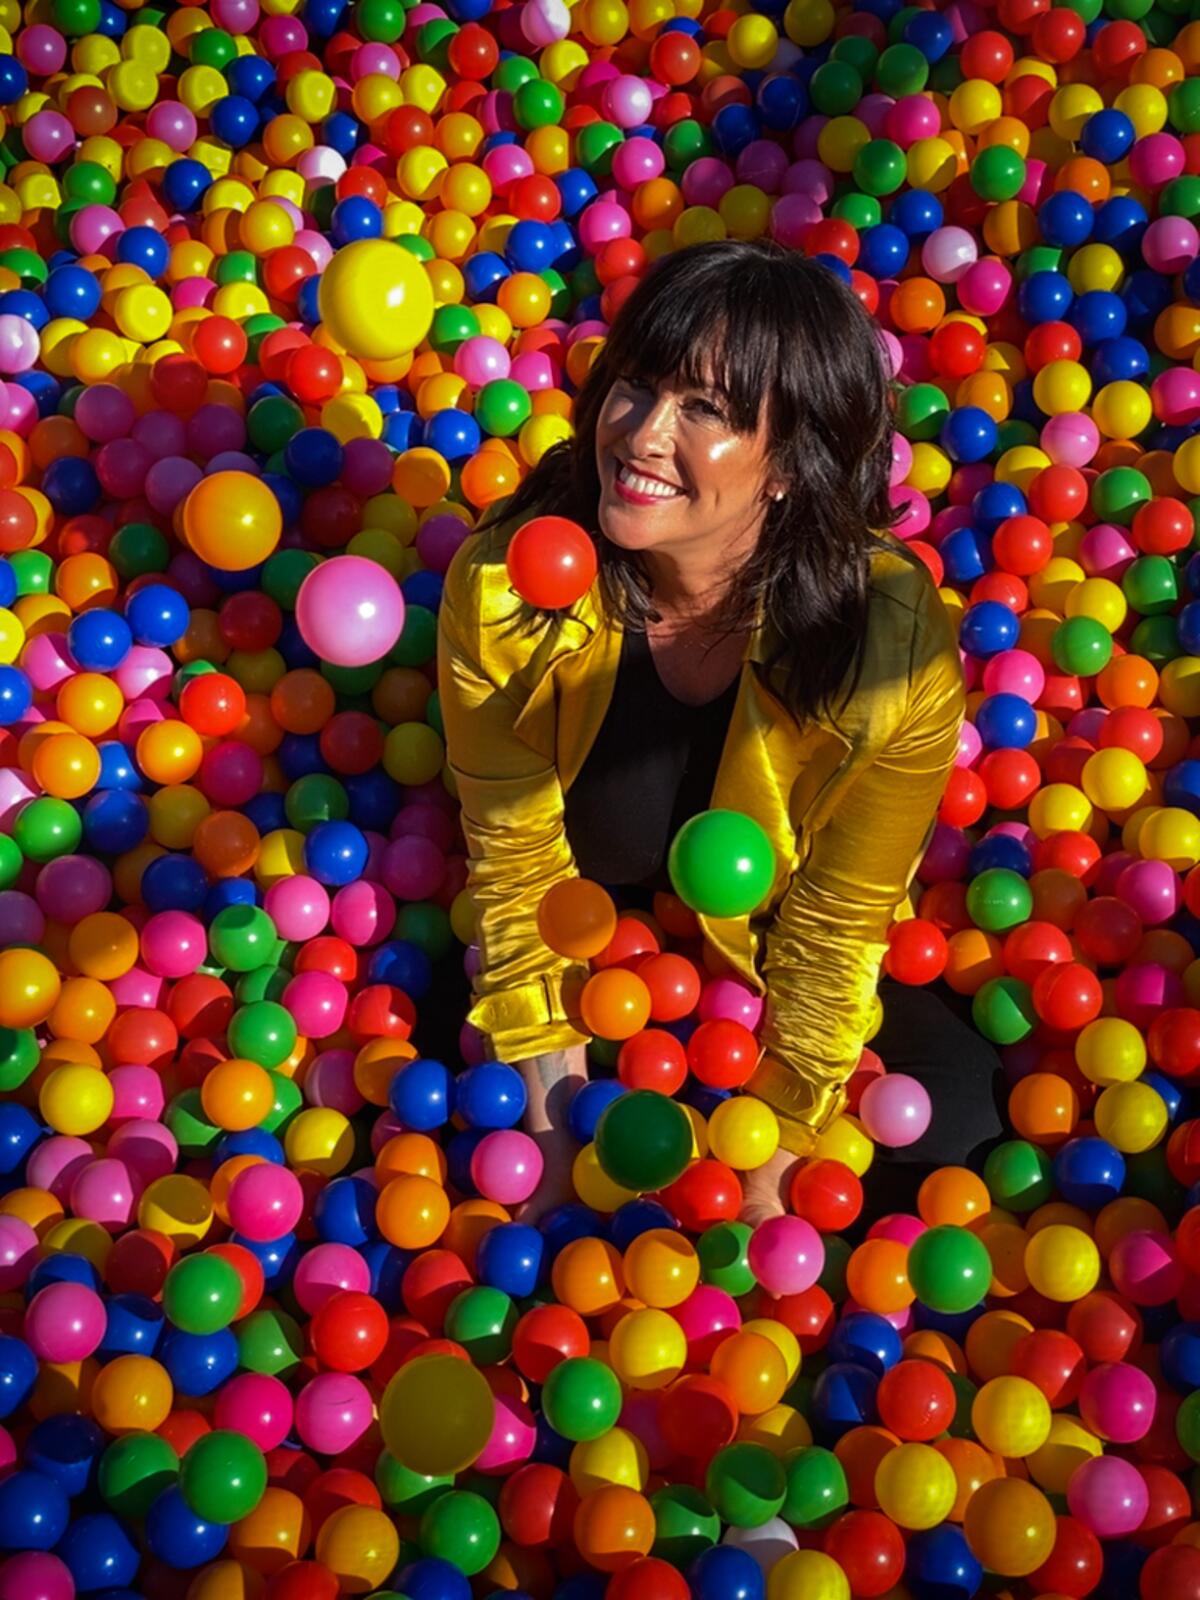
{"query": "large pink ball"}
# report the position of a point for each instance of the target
(506, 1166)
(333, 1412)
(18, 1252)
(1109, 1496)
(895, 1110)
(1117, 1402)
(350, 611)
(514, 1435)
(1143, 1267)
(65, 1322)
(786, 1255)
(36, 1575)
(265, 1201)
(257, 1405)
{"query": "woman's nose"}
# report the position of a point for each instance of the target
(652, 426)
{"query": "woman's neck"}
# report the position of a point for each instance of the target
(691, 586)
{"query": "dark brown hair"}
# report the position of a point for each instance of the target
(771, 327)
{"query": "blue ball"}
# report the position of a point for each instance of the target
(71, 486)
(74, 291)
(235, 120)
(883, 250)
(115, 820)
(19, 1132)
(939, 1565)
(355, 217)
(403, 964)
(565, 1224)
(781, 100)
(588, 1102)
(843, 1397)
(1118, 359)
(345, 1211)
(987, 628)
(1066, 219)
(917, 212)
(8, 583)
(145, 248)
(313, 457)
(866, 1340)
(726, 1573)
(117, 767)
(1181, 787)
(100, 1553)
(387, 1265)
(336, 853)
(277, 1258)
(1006, 722)
(484, 272)
(174, 882)
(930, 33)
(65, 1268)
(1098, 315)
(431, 1578)
(460, 1148)
(99, 640)
(636, 1217)
(158, 615)
(250, 76)
(1179, 1354)
(511, 1258)
(251, 1142)
(1045, 296)
(66, 1448)
(995, 503)
(135, 1325)
(490, 1095)
(176, 1536)
(34, 1511)
(422, 1094)
(1107, 135)
(1122, 223)
(18, 1373)
(530, 247)
(199, 1363)
(969, 434)
(966, 555)
(453, 434)
(576, 189)
(734, 127)
(1089, 1172)
(999, 850)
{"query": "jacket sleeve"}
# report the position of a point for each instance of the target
(824, 949)
(512, 817)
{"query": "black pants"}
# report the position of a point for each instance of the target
(926, 1032)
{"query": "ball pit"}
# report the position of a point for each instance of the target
(291, 293)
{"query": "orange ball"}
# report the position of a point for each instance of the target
(1043, 1108)
(412, 1212)
(614, 1527)
(237, 1094)
(877, 1276)
(277, 1531)
(752, 1370)
(577, 918)
(860, 1451)
(953, 1195)
(66, 765)
(226, 844)
(615, 1004)
(589, 1276)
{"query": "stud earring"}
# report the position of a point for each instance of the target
(777, 496)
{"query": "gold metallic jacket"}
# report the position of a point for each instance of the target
(849, 813)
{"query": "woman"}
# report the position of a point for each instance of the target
(755, 640)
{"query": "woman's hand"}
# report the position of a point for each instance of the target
(551, 1082)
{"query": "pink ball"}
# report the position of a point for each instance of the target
(895, 1110)
(324, 1270)
(1070, 439)
(57, 1162)
(706, 1316)
(984, 287)
(970, 746)
(65, 1322)
(1143, 1267)
(329, 1081)
(106, 1192)
(1145, 989)
(627, 101)
(413, 868)
(36, 1575)
(706, 181)
(786, 1255)
(258, 1406)
(317, 1002)
(18, 1252)
(298, 906)
(637, 161)
(513, 1437)
(506, 1166)
(481, 360)
(603, 220)
(350, 611)
(948, 253)
(898, 1225)
(1109, 1496)
(265, 1201)
(173, 123)
(147, 1148)
(173, 944)
(1117, 1402)
(730, 998)
(1156, 159)
(363, 913)
(19, 344)
(1176, 395)
(792, 216)
(1105, 551)
(913, 117)
(1015, 672)
(333, 1411)
(41, 49)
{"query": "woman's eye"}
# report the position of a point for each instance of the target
(707, 408)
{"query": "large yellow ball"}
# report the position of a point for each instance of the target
(376, 299)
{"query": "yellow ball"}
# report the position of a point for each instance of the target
(1122, 410)
(1171, 834)
(752, 41)
(375, 299)
(1062, 386)
(915, 1486)
(807, 1575)
(743, 1132)
(1011, 1416)
(1110, 1050)
(1131, 1116)
(76, 1099)
(1068, 1445)
(648, 1349)
(1062, 1262)
(1114, 779)
(593, 1185)
(319, 1139)
(617, 1456)
(846, 1141)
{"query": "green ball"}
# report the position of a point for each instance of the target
(858, 53)
(90, 182)
(594, 146)
(452, 326)
(315, 798)
(264, 1032)
(1019, 1176)
(461, 1528)
(512, 72)
(19, 1055)
(685, 1525)
(33, 570)
(581, 1398)
(75, 17)
(1151, 585)
(201, 1294)
(861, 211)
(949, 1269)
(265, 983)
(270, 423)
(138, 548)
(502, 408)
(191, 1129)
(1180, 197)
(537, 104)
(1081, 646)
(746, 1484)
(921, 409)
(997, 173)
(47, 828)
(721, 864)
(880, 167)
(817, 1491)
(964, 1398)
(271, 1342)
(239, 266)
(427, 925)
(285, 571)
(289, 1098)
(408, 1493)
(999, 899)
(241, 937)
(683, 143)
(11, 861)
(433, 41)
(1002, 1010)
(722, 1250)
(223, 1476)
(643, 1140)
(417, 643)
(1187, 1425)
(1156, 638)
(212, 47)
(837, 1258)
(134, 1471)
(1118, 494)
(901, 70)
(835, 89)
(482, 1319)
(380, 21)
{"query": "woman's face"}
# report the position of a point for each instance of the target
(675, 473)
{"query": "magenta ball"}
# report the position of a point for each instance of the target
(265, 1201)
(1109, 1496)
(106, 1192)
(514, 1435)
(1143, 1267)
(36, 1575)
(257, 1405)
(895, 1110)
(298, 906)
(317, 1002)
(350, 611)
(506, 1166)
(65, 1322)
(786, 1255)
(1117, 1402)
(325, 1270)
(333, 1412)
(19, 1252)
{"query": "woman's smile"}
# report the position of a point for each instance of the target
(641, 488)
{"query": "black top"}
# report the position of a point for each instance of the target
(652, 766)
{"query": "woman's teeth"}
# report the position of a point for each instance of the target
(641, 485)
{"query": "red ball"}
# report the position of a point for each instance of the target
(1162, 527)
(648, 1579)
(537, 1506)
(916, 1400)
(706, 1193)
(964, 799)
(348, 1331)
(1053, 1361)
(697, 1416)
(429, 1284)
(722, 1053)
(811, 1315)
(1172, 1573)
(1022, 544)
(988, 55)
(827, 1194)
(1067, 995)
(545, 1336)
(1173, 1040)
(1075, 1565)
(1105, 1326)
(869, 1548)
(1033, 948)
(653, 1059)
(1058, 494)
(551, 561)
(1170, 1506)
(917, 951)
(674, 985)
